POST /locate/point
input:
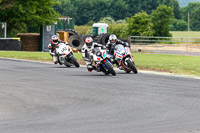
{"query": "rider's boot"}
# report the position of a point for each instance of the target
(55, 59)
(89, 66)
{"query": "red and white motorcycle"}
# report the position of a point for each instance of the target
(66, 55)
(124, 58)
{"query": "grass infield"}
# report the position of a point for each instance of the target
(189, 65)
(185, 33)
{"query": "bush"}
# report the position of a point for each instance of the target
(120, 30)
(82, 30)
(179, 25)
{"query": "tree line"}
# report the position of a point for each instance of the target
(85, 11)
(29, 15)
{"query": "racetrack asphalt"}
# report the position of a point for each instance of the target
(46, 98)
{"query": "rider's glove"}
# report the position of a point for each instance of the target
(53, 54)
(125, 44)
(103, 47)
(86, 59)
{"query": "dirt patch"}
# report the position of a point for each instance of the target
(168, 47)
(157, 70)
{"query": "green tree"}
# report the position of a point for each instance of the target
(107, 20)
(193, 9)
(135, 6)
(161, 18)
(117, 9)
(6, 4)
(140, 25)
(195, 19)
(178, 25)
(29, 13)
(85, 11)
(66, 8)
(176, 7)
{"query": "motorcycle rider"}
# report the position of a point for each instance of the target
(87, 51)
(54, 43)
(112, 42)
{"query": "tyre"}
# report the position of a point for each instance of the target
(110, 68)
(72, 32)
(60, 60)
(94, 36)
(105, 72)
(74, 61)
(97, 38)
(76, 42)
(67, 64)
(127, 71)
(104, 39)
(132, 66)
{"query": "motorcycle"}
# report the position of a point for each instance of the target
(102, 62)
(66, 55)
(124, 58)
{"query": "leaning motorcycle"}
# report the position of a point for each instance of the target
(66, 55)
(124, 58)
(102, 62)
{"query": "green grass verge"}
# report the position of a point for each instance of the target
(189, 65)
(185, 33)
(180, 64)
(42, 56)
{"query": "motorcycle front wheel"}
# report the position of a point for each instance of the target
(74, 61)
(60, 60)
(67, 64)
(110, 68)
(132, 66)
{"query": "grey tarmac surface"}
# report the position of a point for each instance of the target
(48, 98)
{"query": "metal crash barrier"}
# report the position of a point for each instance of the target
(10, 44)
(182, 44)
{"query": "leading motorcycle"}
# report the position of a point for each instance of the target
(102, 62)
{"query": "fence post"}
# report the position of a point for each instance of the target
(187, 44)
(129, 41)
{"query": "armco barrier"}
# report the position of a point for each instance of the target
(10, 44)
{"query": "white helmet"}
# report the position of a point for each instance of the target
(112, 38)
(89, 41)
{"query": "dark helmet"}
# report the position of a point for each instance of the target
(89, 41)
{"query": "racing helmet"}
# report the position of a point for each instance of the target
(54, 39)
(113, 38)
(89, 41)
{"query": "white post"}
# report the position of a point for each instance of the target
(5, 30)
(188, 21)
(68, 20)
